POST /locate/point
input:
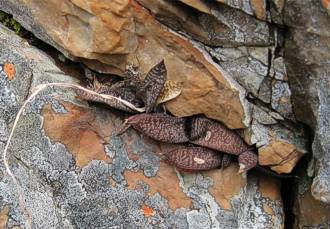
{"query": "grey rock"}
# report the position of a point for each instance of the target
(279, 69)
(224, 25)
(307, 56)
(265, 91)
(262, 116)
(249, 212)
(248, 66)
(244, 5)
(25, 17)
(262, 135)
(281, 99)
(234, 28)
(276, 10)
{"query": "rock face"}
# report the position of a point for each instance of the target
(137, 38)
(215, 81)
(309, 212)
(261, 67)
(71, 171)
(307, 53)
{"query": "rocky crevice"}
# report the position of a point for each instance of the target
(253, 73)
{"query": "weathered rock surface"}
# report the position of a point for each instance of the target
(309, 213)
(252, 7)
(281, 146)
(213, 24)
(229, 58)
(307, 55)
(135, 37)
(107, 37)
(72, 172)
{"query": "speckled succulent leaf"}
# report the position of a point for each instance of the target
(132, 76)
(247, 160)
(153, 84)
(219, 137)
(196, 127)
(171, 90)
(194, 158)
(161, 127)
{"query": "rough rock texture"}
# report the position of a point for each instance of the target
(252, 7)
(309, 213)
(137, 38)
(72, 172)
(279, 147)
(215, 81)
(259, 65)
(213, 24)
(307, 54)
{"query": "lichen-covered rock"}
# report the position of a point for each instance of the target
(252, 7)
(256, 8)
(138, 38)
(279, 147)
(71, 170)
(307, 56)
(213, 24)
(247, 65)
(227, 61)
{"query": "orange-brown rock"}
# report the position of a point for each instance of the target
(280, 155)
(202, 80)
(279, 147)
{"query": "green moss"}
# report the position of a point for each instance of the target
(10, 22)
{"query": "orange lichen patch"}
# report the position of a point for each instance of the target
(326, 4)
(227, 183)
(270, 188)
(166, 183)
(147, 211)
(10, 70)
(4, 217)
(79, 130)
